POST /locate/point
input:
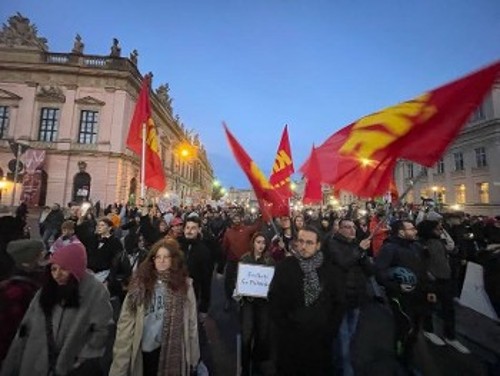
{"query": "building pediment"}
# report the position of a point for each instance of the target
(53, 94)
(20, 32)
(89, 101)
(6, 95)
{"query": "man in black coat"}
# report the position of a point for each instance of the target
(400, 269)
(199, 263)
(306, 304)
(344, 251)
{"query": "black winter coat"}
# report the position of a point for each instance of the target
(356, 268)
(397, 251)
(200, 266)
(305, 335)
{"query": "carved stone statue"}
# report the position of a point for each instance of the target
(20, 33)
(133, 57)
(82, 166)
(116, 50)
(51, 94)
(164, 97)
(196, 139)
(81, 183)
(78, 45)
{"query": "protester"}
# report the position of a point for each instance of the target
(401, 272)
(68, 236)
(306, 304)
(18, 290)
(103, 249)
(66, 325)
(11, 228)
(235, 244)
(352, 258)
(199, 263)
(440, 283)
(254, 316)
(283, 245)
(52, 224)
(157, 331)
(176, 228)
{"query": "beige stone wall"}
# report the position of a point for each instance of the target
(111, 90)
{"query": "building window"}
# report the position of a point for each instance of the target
(484, 192)
(459, 161)
(440, 166)
(49, 119)
(88, 127)
(460, 193)
(481, 157)
(4, 121)
(423, 171)
(409, 170)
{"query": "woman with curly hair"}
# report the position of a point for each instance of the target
(157, 333)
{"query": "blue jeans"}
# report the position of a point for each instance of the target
(342, 347)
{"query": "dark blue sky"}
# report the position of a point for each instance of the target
(315, 65)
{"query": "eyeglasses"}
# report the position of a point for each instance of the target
(306, 242)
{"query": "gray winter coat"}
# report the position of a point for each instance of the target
(80, 333)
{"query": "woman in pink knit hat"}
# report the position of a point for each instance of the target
(66, 326)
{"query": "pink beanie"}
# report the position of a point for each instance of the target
(71, 257)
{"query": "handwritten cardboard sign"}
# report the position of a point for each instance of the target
(254, 280)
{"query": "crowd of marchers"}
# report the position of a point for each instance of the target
(126, 290)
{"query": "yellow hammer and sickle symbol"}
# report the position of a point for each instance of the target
(259, 175)
(151, 138)
(366, 141)
(282, 160)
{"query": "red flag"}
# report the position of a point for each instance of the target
(271, 204)
(283, 167)
(360, 158)
(154, 172)
(312, 191)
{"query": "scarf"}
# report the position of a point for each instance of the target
(309, 267)
(171, 361)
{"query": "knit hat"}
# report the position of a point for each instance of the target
(71, 257)
(25, 251)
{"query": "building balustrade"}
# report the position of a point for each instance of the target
(88, 61)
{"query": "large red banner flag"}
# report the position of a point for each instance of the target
(283, 167)
(271, 203)
(360, 158)
(313, 193)
(154, 172)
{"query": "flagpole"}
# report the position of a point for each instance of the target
(143, 162)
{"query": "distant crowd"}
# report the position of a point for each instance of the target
(125, 290)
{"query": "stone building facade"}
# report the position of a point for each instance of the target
(467, 178)
(73, 110)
